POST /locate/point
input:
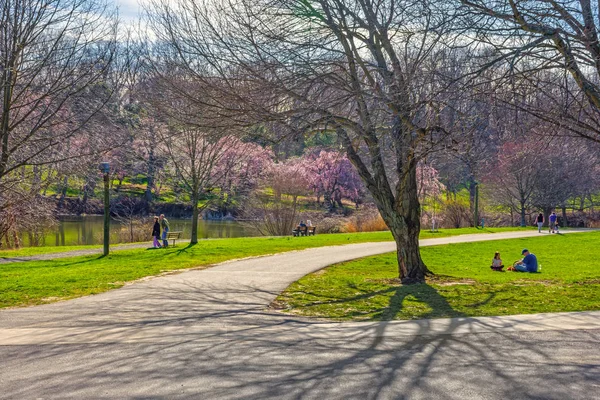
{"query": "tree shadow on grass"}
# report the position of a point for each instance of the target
(422, 293)
(173, 249)
(186, 249)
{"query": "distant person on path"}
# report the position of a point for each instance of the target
(552, 223)
(156, 233)
(540, 222)
(164, 224)
(497, 262)
(528, 263)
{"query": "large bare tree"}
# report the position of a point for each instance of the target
(55, 59)
(371, 71)
(552, 51)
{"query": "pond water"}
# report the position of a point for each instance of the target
(72, 231)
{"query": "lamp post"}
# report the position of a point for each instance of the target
(476, 211)
(105, 168)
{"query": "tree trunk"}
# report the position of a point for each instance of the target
(151, 172)
(194, 238)
(63, 191)
(547, 211)
(523, 222)
(472, 199)
(564, 215)
(405, 225)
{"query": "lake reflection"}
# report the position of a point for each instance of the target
(89, 230)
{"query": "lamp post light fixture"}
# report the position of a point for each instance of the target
(105, 169)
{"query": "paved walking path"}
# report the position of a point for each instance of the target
(209, 334)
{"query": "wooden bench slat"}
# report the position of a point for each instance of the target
(174, 236)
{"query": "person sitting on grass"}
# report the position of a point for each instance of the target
(497, 262)
(528, 263)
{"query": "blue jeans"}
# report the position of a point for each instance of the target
(521, 268)
(164, 237)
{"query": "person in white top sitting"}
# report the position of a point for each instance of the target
(497, 262)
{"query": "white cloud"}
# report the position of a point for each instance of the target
(129, 10)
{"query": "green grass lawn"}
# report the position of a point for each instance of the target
(464, 285)
(33, 251)
(38, 282)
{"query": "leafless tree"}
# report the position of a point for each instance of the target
(55, 60)
(553, 54)
(370, 71)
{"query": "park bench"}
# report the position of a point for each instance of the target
(173, 236)
(304, 231)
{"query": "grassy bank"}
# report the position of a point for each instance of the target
(34, 251)
(464, 285)
(368, 236)
(38, 282)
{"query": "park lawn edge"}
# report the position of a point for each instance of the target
(367, 289)
(425, 234)
(39, 250)
(41, 282)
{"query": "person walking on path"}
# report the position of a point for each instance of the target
(156, 233)
(552, 223)
(164, 224)
(540, 222)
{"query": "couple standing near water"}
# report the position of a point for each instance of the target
(160, 223)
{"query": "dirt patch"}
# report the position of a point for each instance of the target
(51, 299)
(434, 280)
(278, 305)
(588, 282)
(444, 280)
(391, 281)
(454, 283)
(531, 283)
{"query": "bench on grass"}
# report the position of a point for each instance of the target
(173, 236)
(304, 231)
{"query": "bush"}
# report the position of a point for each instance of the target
(368, 221)
(270, 218)
(26, 214)
(328, 225)
(135, 230)
(455, 214)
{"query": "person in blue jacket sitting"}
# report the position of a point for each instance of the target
(528, 263)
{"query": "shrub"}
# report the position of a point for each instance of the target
(135, 230)
(25, 214)
(369, 221)
(456, 214)
(328, 225)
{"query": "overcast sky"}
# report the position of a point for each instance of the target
(128, 9)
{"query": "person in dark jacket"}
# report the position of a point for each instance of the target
(156, 233)
(540, 222)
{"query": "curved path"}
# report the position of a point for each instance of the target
(208, 334)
